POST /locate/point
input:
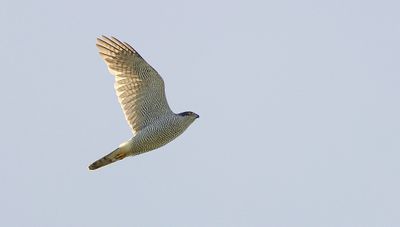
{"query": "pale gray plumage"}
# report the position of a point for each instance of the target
(141, 93)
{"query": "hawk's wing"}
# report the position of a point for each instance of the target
(140, 89)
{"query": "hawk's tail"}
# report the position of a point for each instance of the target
(114, 156)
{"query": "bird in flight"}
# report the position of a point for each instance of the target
(141, 93)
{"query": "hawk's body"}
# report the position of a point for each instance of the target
(140, 91)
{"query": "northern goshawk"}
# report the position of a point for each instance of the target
(140, 91)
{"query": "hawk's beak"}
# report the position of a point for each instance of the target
(197, 116)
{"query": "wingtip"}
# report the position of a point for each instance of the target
(103, 39)
(100, 38)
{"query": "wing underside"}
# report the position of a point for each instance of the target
(140, 89)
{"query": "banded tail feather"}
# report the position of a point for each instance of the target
(116, 155)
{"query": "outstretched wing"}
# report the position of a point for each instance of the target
(140, 89)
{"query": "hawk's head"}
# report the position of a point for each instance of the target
(189, 114)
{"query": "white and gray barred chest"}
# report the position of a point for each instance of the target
(159, 133)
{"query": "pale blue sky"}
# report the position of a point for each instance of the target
(299, 106)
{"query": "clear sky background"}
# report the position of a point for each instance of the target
(299, 106)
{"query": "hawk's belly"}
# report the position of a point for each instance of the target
(156, 135)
